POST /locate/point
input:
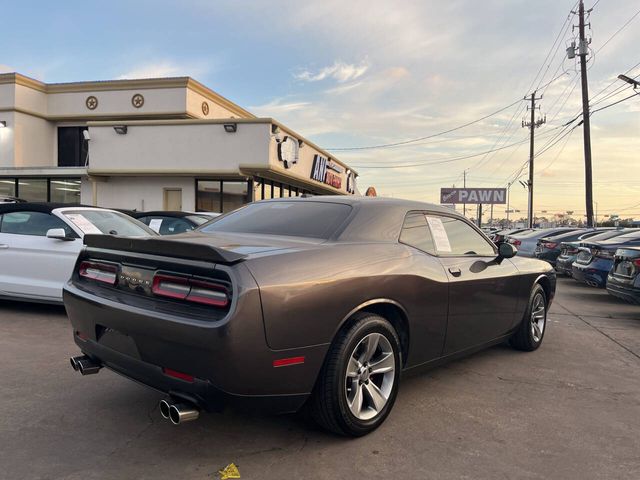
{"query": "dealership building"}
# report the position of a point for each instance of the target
(151, 144)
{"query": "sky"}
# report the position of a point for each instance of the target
(367, 73)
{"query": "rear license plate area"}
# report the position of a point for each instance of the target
(118, 341)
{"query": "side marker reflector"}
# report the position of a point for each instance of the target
(182, 376)
(285, 362)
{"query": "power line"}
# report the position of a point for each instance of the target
(618, 31)
(448, 160)
(413, 140)
(614, 103)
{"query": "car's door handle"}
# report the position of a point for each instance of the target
(455, 271)
(4, 245)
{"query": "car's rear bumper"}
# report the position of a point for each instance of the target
(548, 256)
(589, 275)
(564, 265)
(629, 293)
(229, 360)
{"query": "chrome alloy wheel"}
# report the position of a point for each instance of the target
(370, 376)
(538, 317)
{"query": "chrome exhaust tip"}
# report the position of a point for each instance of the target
(183, 412)
(85, 365)
(74, 362)
(165, 406)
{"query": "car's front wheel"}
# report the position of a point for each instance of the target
(530, 333)
(358, 383)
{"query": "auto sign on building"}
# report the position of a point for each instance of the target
(473, 195)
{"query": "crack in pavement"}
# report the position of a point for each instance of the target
(561, 384)
(601, 332)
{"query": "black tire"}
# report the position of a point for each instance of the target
(328, 406)
(524, 338)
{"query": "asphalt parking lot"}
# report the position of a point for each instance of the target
(569, 410)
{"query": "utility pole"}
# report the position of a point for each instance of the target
(583, 50)
(464, 184)
(507, 212)
(532, 125)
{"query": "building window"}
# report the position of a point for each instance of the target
(234, 195)
(51, 189)
(268, 189)
(64, 190)
(223, 195)
(73, 149)
(8, 187)
(258, 189)
(208, 196)
(33, 189)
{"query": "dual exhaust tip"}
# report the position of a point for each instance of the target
(178, 412)
(84, 365)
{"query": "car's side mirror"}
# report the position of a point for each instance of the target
(58, 234)
(506, 250)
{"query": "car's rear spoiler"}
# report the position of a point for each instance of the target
(164, 247)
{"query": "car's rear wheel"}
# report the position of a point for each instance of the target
(530, 333)
(358, 383)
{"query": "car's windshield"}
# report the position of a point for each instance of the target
(295, 219)
(108, 222)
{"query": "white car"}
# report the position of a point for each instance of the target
(39, 244)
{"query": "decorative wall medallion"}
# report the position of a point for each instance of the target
(137, 100)
(91, 102)
(205, 108)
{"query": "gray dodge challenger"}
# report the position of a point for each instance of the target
(314, 302)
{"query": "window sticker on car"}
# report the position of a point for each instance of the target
(439, 234)
(155, 224)
(82, 223)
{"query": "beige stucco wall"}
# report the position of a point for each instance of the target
(174, 148)
(194, 107)
(7, 150)
(117, 102)
(31, 100)
(144, 193)
(34, 142)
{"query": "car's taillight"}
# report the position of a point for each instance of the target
(515, 241)
(190, 290)
(604, 253)
(550, 245)
(100, 272)
(636, 262)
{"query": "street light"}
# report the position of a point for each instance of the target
(629, 80)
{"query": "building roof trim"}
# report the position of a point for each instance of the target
(125, 84)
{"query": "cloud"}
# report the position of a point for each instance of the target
(277, 107)
(339, 71)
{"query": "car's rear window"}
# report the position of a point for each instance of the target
(107, 222)
(295, 219)
(626, 236)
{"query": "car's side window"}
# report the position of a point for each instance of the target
(415, 233)
(32, 223)
(455, 237)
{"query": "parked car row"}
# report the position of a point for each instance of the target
(39, 242)
(599, 257)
